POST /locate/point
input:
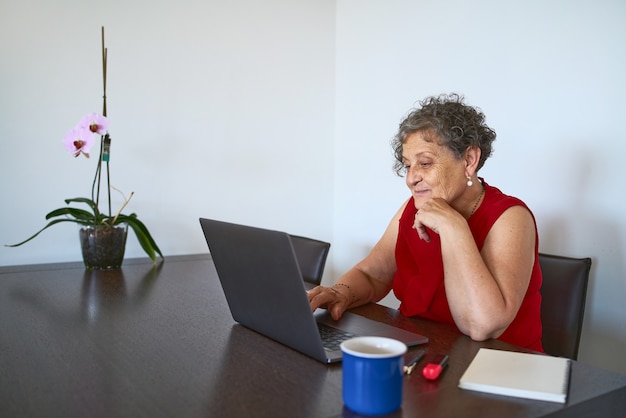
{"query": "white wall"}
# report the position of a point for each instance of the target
(279, 114)
(550, 78)
(217, 109)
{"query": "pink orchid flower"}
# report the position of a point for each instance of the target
(79, 141)
(95, 123)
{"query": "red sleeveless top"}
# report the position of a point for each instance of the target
(418, 282)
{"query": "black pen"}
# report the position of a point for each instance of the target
(410, 366)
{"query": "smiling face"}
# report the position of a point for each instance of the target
(432, 170)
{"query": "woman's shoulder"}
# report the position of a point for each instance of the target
(496, 199)
(495, 204)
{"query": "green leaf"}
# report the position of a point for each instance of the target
(54, 222)
(75, 212)
(89, 202)
(143, 235)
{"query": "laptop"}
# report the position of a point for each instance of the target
(265, 291)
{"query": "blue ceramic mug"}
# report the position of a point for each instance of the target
(372, 374)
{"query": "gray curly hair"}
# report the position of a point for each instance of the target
(450, 122)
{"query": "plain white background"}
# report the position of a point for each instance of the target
(279, 114)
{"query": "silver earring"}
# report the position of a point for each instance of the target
(469, 181)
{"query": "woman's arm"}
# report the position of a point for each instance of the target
(485, 289)
(368, 281)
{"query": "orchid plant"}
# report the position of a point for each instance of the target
(79, 141)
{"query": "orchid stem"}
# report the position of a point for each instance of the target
(122, 208)
(104, 113)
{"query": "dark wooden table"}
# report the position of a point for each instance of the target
(159, 341)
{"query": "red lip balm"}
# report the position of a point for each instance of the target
(434, 368)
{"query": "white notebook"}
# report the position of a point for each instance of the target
(523, 375)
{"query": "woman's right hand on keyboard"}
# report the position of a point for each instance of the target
(335, 299)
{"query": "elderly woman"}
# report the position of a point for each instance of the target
(458, 250)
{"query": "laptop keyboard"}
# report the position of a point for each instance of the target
(332, 337)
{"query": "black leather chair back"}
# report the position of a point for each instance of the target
(311, 255)
(563, 295)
